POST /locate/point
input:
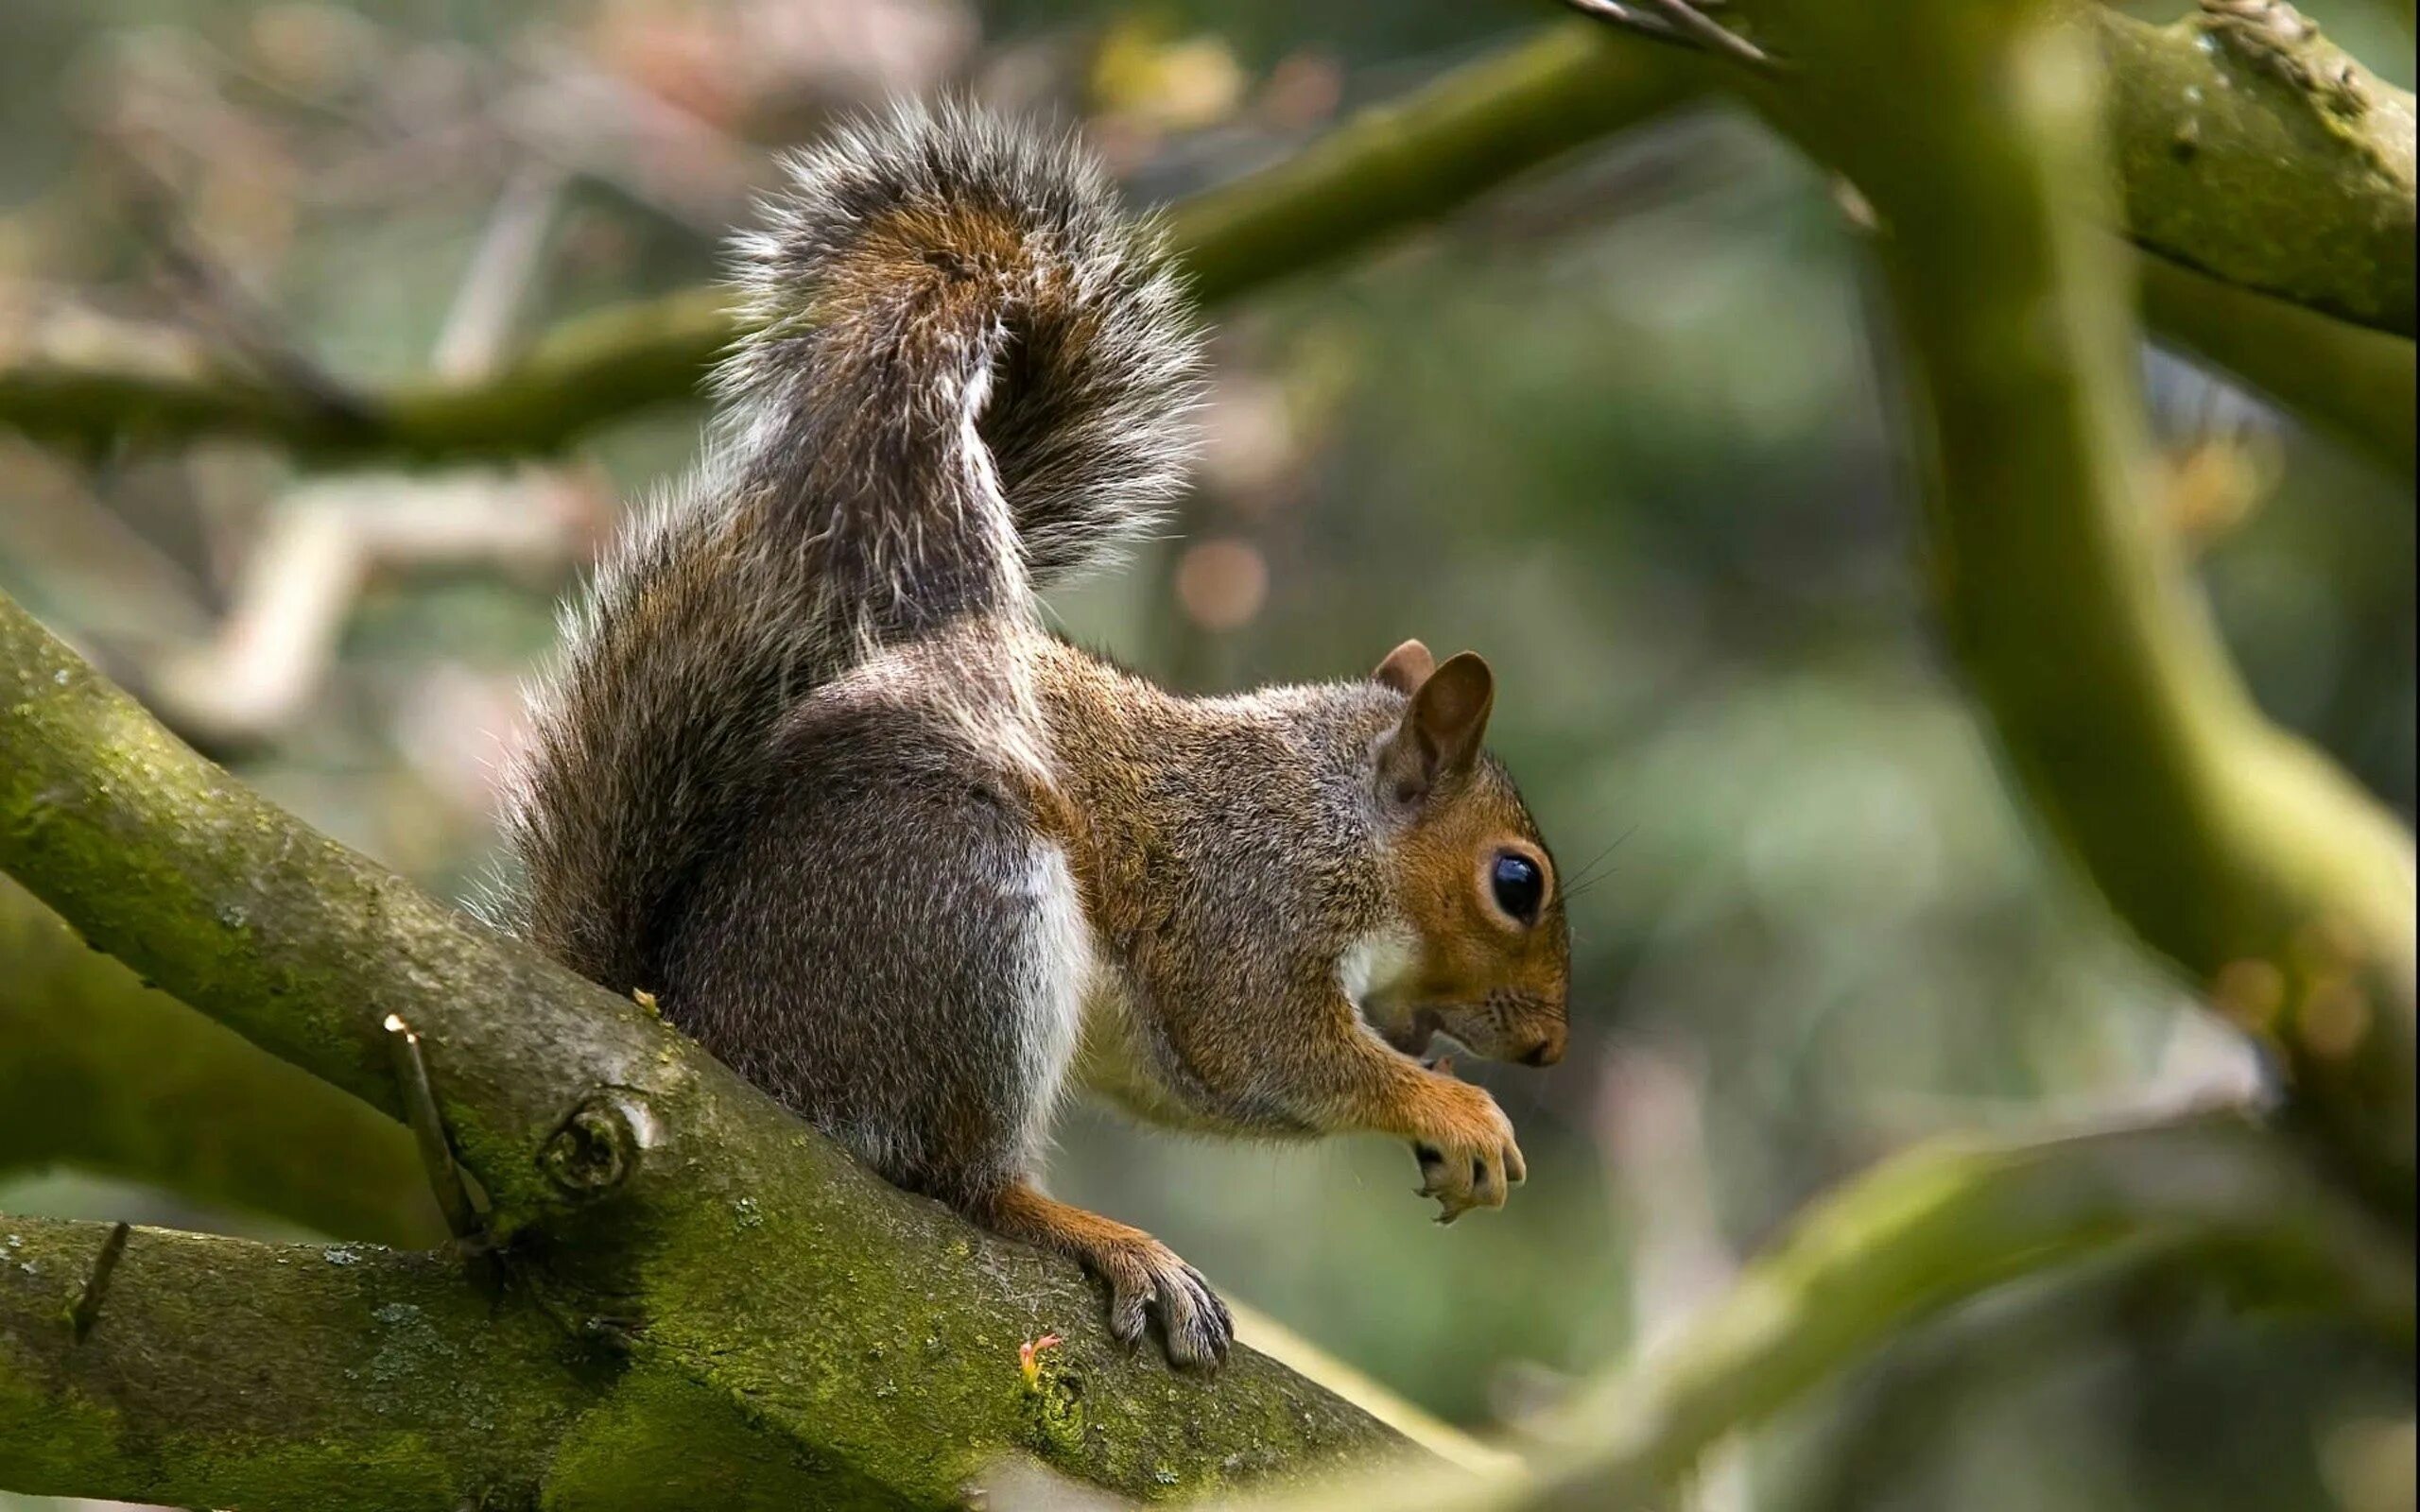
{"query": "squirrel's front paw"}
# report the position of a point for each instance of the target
(1470, 1160)
(1147, 1279)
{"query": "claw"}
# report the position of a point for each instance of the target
(1126, 1318)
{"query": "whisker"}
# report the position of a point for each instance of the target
(1583, 878)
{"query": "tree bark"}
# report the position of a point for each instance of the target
(106, 1073)
(644, 1200)
(2251, 148)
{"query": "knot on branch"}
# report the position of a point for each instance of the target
(597, 1146)
(2274, 37)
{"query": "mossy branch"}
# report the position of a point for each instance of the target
(92, 383)
(2355, 385)
(1917, 1236)
(2255, 182)
(113, 1076)
(218, 1372)
(2266, 178)
(652, 1206)
(2252, 148)
(2233, 848)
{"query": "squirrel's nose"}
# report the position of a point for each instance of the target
(1546, 1051)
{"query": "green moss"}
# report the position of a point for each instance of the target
(661, 1442)
(62, 1442)
(2277, 163)
(124, 1080)
(1053, 1412)
(47, 1437)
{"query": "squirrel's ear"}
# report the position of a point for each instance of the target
(1442, 730)
(1405, 668)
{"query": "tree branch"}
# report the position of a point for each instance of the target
(1390, 166)
(97, 383)
(1912, 1239)
(2252, 148)
(2248, 145)
(1940, 1226)
(2350, 383)
(2260, 197)
(2229, 845)
(108, 1074)
(220, 1372)
(1416, 159)
(646, 1199)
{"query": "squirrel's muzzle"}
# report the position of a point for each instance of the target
(1487, 1031)
(1547, 1050)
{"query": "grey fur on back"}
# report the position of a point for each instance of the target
(967, 378)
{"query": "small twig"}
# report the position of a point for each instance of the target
(1695, 25)
(87, 1310)
(496, 284)
(595, 123)
(1684, 24)
(1628, 19)
(222, 304)
(428, 1128)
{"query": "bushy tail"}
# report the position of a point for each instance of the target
(967, 377)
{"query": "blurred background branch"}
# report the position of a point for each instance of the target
(2352, 383)
(316, 551)
(2280, 885)
(1928, 1231)
(1934, 1229)
(112, 1074)
(2300, 190)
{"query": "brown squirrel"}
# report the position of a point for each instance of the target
(813, 773)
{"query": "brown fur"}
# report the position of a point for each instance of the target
(1245, 1025)
(813, 775)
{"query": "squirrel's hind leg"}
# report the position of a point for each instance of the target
(888, 947)
(892, 948)
(1145, 1277)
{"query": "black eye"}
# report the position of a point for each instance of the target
(1520, 886)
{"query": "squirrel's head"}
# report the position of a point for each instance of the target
(1489, 962)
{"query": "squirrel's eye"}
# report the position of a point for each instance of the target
(1520, 886)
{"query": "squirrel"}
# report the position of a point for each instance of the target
(811, 772)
